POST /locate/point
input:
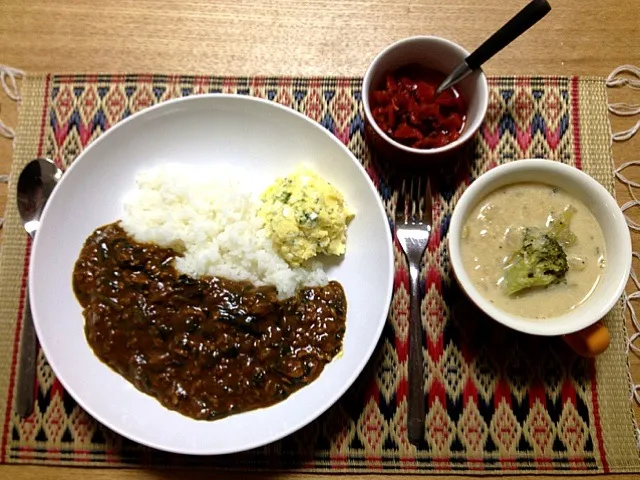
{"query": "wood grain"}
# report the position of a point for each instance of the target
(304, 37)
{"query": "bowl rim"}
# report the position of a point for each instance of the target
(169, 106)
(467, 134)
(482, 187)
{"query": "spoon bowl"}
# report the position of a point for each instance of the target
(35, 184)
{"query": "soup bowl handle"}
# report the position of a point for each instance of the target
(590, 341)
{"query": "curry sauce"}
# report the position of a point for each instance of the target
(206, 347)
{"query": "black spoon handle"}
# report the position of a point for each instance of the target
(523, 21)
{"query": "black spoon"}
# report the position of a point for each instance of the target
(523, 21)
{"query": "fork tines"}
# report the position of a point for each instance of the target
(413, 201)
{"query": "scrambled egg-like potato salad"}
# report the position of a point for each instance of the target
(305, 216)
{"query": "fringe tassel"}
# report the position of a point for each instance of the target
(624, 109)
(6, 132)
(625, 75)
(626, 134)
(616, 78)
(630, 298)
(631, 346)
(8, 76)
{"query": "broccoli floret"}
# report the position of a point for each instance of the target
(540, 262)
(558, 227)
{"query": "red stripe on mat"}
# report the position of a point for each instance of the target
(575, 121)
(16, 340)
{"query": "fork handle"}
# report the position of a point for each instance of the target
(416, 410)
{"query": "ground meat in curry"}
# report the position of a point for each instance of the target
(208, 347)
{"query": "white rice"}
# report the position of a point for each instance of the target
(212, 216)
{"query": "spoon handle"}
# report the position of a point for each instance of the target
(25, 393)
(523, 21)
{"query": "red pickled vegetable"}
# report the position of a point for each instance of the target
(405, 131)
(407, 109)
(382, 97)
(452, 123)
(425, 93)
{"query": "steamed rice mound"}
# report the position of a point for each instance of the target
(211, 217)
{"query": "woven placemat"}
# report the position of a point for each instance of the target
(497, 401)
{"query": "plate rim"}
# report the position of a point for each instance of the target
(335, 396)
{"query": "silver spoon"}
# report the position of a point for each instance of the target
(35, 184)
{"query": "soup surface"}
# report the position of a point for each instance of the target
(494, 230)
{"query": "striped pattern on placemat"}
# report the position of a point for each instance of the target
(497, 401)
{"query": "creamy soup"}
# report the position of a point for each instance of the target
(493, 232)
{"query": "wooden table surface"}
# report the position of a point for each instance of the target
(304, 37)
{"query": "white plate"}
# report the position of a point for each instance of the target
(267, 140)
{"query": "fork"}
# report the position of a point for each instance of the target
(413, 229)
